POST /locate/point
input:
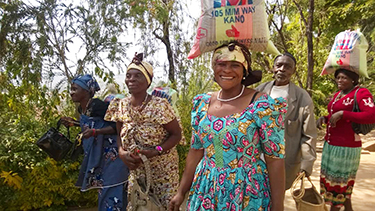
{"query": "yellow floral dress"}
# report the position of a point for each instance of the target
(145, 129)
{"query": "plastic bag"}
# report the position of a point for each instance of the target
(223, 21)
(348, 52)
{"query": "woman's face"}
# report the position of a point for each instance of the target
(136, 81)
(344, 83)
(78, 93)
(228, 74)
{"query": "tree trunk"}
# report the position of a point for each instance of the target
(171, 73)
(166, 41)
(310, 48)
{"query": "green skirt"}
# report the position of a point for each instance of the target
(338, 171)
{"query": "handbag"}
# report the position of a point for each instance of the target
(77, 148)
(55, 144)
(360, 128)
(307, 199)
(142, 196)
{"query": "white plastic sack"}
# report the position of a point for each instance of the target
(348, 52)
(223, 21)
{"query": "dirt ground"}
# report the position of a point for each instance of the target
(363, 197)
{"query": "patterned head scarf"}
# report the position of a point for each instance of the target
(87, 82)
(226, 53)
(237, 52)
(145, 68)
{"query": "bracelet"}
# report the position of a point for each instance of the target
(93, 132)
(159, 149)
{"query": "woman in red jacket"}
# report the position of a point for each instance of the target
(342, 147)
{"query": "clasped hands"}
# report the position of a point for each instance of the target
(132, 158)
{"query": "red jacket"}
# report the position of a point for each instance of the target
(343, 134)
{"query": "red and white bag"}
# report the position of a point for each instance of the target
(348, 52)
(223, 21)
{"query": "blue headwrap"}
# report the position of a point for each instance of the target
(87, 82)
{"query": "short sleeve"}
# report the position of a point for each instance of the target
(270, 121)
(113, 111)
(198, 103)
(166, 113)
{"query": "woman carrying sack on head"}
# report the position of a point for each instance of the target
(342, 147)
(231, 128)
(101, 167)
(147, 127)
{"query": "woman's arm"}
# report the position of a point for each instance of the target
(69, 121)
(175, 135)
(94, 132)
(192, 160)
(366, 106)
(131, 160)
(118, 129)
(276, 172)
(174, 131)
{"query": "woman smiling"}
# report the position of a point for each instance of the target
(147, 125)
(231, 128)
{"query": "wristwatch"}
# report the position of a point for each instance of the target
(159, 149)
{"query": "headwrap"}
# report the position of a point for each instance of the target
(224, 54)
(145, 68)
(237, 52)
(87, 82)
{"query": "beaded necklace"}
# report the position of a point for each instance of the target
(229, 99)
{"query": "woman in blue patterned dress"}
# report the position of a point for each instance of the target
(101, 168)
(231, 128)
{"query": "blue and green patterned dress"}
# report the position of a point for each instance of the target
(231, 175)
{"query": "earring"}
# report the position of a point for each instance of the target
(244, 78)
(353, 82)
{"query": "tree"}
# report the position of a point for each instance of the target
(36, 44)
(160, 19)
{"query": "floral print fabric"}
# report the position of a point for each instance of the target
(145, 129)
(231, 175)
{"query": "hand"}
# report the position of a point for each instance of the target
(335, 117)
(175, 203)
(67, 121)
(320, 122)
(306, 173)
(87, 133)
(149, 153)
(132, 161)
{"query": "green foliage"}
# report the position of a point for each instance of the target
(199, 81)
(330, 18)
(160, 24)
(29, 111)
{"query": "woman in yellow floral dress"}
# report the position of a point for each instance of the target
(148, 126)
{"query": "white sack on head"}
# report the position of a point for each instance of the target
(348, 52)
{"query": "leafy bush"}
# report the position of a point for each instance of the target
(28, 178)
(199, 82)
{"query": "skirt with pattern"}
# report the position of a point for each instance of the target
(338, 171)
